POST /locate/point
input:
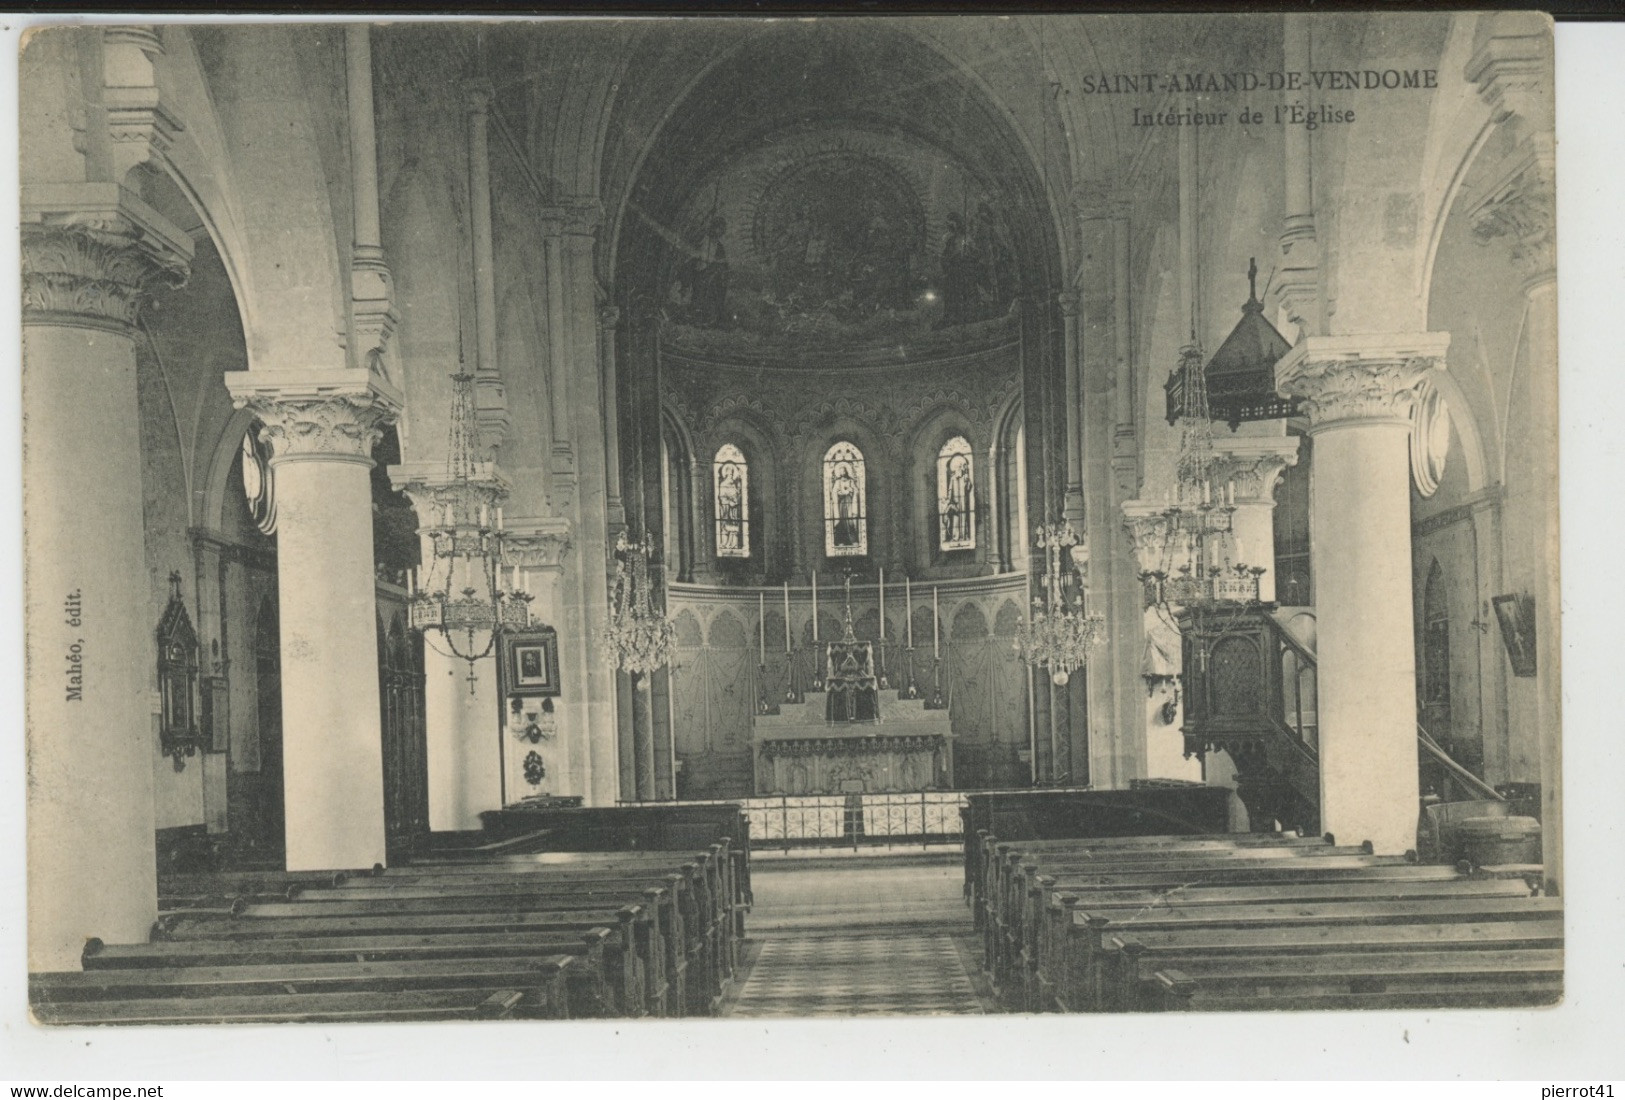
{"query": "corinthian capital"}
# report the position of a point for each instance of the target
(1146, 522)
(325, 415)
(1253, 465)
(1359, 378)
(94, 253)
(1521, 208)
(540, 544)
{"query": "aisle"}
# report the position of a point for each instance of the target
(859, 935)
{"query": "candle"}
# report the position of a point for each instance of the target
(908, 608)
(411, 582)
(883, 604)
(524, 581)
(815, 605)
(936, 632)
(485, 515)
(513, 581)
(499, 517)
(786, 617)
(761, 626)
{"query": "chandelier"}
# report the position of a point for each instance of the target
(639, 638)
(1058, 635)
(1195, 553)
(459, 597)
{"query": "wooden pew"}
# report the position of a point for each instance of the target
(666, 897)
(1083, 978)
(1135, 956)
(1486, 978)
(456, 1004)
(590, 987)
(1034, 815)
(714, 959)
(627, 951)
(539, 980)
(723, 900)
(1038, 925)
(1012, 907)
(699, 933)
(1043, 969)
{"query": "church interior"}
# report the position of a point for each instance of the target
(758, 517)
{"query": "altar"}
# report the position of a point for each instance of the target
(799, 751)
(845, 736)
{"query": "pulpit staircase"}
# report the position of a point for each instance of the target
(1250, 691)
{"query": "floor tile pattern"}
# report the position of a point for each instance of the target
(862, 975)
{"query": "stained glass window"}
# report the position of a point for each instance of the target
(956, 496)
(731, 486)
(846, 527)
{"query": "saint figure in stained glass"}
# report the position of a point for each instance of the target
(846, 531)
(956, 495)
(732, 485)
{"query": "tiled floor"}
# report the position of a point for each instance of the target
(875, 937)
(866, 975)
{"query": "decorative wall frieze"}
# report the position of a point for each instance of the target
(324, 415)
(94, 253)
(1522, 209)
(1354, 378)
(1253, 465)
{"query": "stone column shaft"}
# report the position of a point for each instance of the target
(90, 254)
(1358, 393)
(462, 719)
(321, 426)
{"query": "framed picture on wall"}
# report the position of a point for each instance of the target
(530, 662)
(1516, 615)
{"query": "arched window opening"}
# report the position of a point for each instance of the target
(730, 475)
(956, 496)
(846, 526)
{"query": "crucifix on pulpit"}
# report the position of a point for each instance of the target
(853, 690)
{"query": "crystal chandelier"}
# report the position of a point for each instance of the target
(1195, 558)
(1058, 635)
(639, 637)
(460, 597)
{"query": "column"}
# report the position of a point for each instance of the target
(1249, 467)
(462, 718)
(1161, 657)
(90, 253)
(321, 426)
(1522, 212)
(490, 398)
(1358, 392)
(1072, 352)
(372, 311)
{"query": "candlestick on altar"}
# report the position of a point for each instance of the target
(882, 603)
(761, 625)
(787, 618)
(908, 608)
(815, 605)
(936, 630)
